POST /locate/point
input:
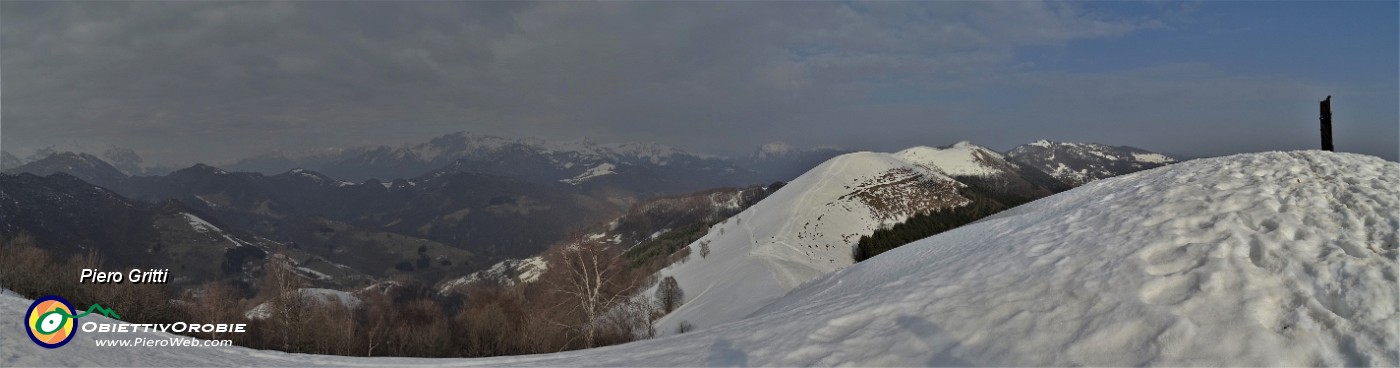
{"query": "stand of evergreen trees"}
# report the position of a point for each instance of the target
(923, 225)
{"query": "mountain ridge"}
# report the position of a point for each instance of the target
(1079, 163)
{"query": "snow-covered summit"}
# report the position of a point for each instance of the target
(802, 231)
(774, 149)
(960, 159)
(200, 169)
(651, 152)
(640, 167)
(466, 144)
(312, 176)
(84, 166)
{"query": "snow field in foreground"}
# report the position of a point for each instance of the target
(1259, 259)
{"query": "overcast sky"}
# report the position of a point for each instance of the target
(193, 81)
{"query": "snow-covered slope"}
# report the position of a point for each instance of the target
(808, 228)
(802, 231)
(214, 233)
(600, 170)
(507, 272)
(1270, 259)
(960, 159)
(1262, 259)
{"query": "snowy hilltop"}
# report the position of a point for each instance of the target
(800, 232)
(807, 228)
(1267, 259)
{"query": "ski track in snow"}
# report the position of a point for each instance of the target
(1269, 259)
(790, 226)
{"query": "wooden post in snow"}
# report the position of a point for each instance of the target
(1326, 107)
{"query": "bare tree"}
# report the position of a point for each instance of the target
(375, 320)
(634, 319)
(704, 248)
(669, 294)
(214, 302)
(594, 278)
(281, 287)
(22, 265)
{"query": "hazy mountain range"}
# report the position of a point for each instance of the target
(462, 202)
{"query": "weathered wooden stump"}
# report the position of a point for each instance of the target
(1326, 106)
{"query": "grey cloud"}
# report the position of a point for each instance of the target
(183, 81)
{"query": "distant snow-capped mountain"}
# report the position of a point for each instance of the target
(8, 161)
(84, 166)
(782, 161)
(773, 150)
(647, 168)
(1080, 163)
(641, 168)
(567, 159)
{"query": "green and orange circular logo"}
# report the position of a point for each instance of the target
(50, 321)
